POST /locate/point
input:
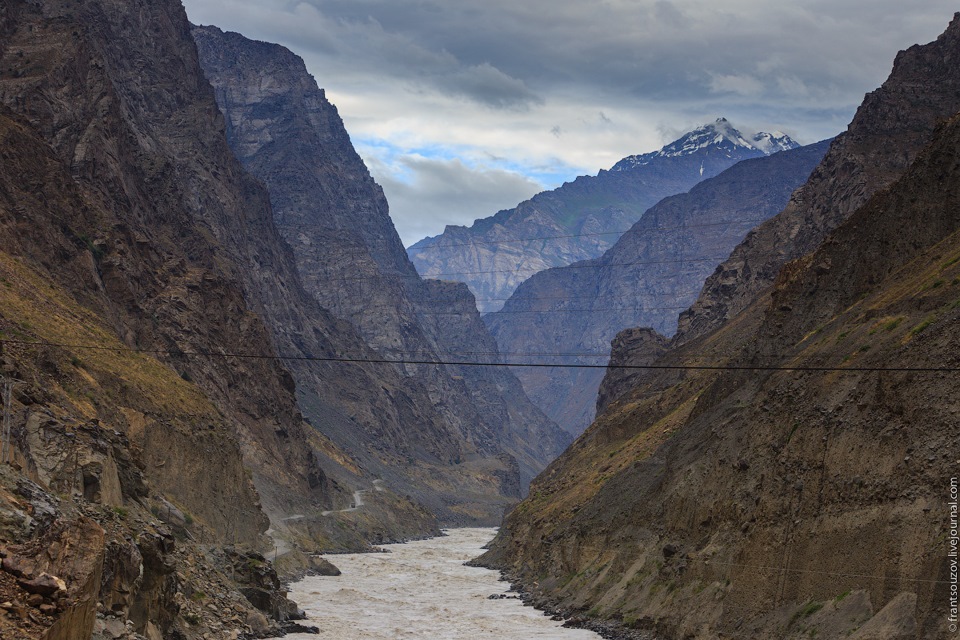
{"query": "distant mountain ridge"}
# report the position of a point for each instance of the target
(653, 271)
(581, 219)
(721, 136)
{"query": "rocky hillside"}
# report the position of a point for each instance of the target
(799, 492)
(147, 298)
(581, 219)
(653, 271)
(129, 233)
(920, 92)
(889, 129)
(465, 441)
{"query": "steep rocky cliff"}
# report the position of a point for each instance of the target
(788, 479)
(889, 129)
(581, 219)
(135, 205)
(470, 428)
(127, 224)
(653, 271)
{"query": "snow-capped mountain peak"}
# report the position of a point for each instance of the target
(716, 137)
(773, 142)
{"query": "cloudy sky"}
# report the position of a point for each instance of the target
(464, 107)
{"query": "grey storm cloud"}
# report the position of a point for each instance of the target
(504, 53)
(488, 85)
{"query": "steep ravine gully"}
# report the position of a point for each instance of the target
(802, 489)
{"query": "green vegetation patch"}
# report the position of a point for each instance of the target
(929, 320)
(806, 611)
(893, 324)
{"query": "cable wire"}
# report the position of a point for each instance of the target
(356, 360)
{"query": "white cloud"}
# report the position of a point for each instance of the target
(426, 194)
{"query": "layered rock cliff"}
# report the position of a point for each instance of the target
(653, 271)
(128, 233)
(783, 481)
(581, 219)
(466, 431)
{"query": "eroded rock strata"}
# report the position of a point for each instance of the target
(796, 501)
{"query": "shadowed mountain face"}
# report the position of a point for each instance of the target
(889, 129)
(797, 500)
(152, 224)
(891, 126)
(142, 279)
(654, 271)
(581, 219)
(464, 440)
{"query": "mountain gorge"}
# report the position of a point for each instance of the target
(653, 271)
(473, 426)
(133, 242)
(217, 360)
(581, 219)
(780, 470)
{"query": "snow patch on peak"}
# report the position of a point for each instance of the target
(716, 136)
(773, 142)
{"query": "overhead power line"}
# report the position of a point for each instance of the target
(464, 363)
(534, 311)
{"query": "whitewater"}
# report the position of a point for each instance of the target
(421, 591)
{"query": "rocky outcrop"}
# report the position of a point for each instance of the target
(463, 423)
(581, 219)
(75, 567)
(654, 270)
(790, 490)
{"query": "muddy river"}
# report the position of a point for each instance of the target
(419, 591)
